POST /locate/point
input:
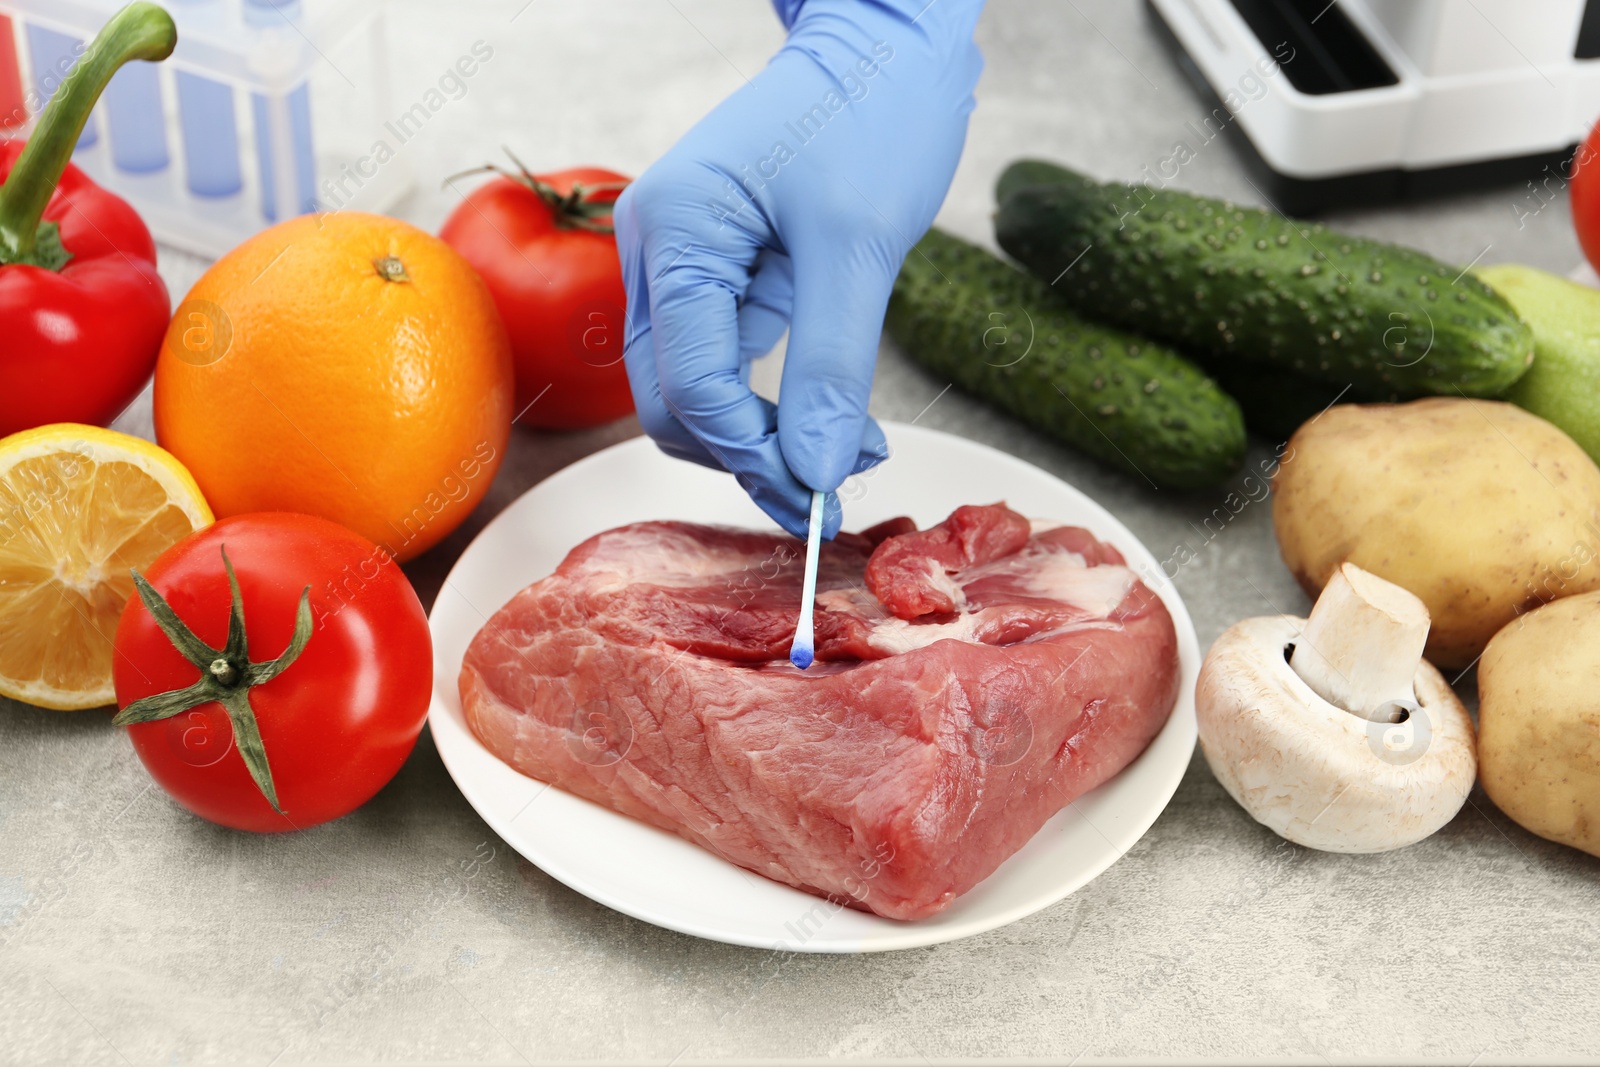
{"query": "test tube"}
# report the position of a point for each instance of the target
(136, 120)
(53, 53)
(13, 108)
(283, 126)
(210, 136)
(205, 114)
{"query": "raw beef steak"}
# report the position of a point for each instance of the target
(972, 680)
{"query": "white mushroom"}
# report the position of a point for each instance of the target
(1333, 731)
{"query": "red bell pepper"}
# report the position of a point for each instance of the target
(82, 309)
(12, 111)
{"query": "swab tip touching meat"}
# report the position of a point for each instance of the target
(801, 651)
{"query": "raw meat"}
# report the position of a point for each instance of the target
(972, 680)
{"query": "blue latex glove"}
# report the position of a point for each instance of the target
(792, 205)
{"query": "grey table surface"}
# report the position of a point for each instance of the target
(134, 933)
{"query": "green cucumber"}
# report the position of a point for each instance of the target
(1234, 282)
(1004, 337)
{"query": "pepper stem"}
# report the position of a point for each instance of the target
(139, 31)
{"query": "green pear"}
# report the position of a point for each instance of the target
(1563, 385)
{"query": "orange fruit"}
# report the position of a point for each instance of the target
(343, 365)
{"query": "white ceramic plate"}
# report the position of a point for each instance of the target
(662, 879)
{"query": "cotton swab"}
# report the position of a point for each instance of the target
(802, 652)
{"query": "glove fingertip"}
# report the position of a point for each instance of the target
(874, 447)
(820, 459)
(832, 516)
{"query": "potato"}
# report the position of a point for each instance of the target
(1479, 508)
(1539, 721)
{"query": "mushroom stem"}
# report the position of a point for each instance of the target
(1360, 648)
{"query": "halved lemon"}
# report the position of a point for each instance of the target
(80, 507)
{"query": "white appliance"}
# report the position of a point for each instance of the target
(1352, 101)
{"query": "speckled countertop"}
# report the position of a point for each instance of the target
(133, 933)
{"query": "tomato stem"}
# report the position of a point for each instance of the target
(138, 31)
(586, 207)
(226, 674)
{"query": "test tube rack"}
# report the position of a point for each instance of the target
(267, 109)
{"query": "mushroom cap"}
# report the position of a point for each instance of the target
(1316, 774)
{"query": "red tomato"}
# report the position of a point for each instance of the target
(558, 285)
(339, 720)
(1585, 188)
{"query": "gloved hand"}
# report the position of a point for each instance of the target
(792, 205)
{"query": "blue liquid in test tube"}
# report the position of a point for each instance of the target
(136, 120)
(205, 115)
(53, 54)
(298, 107)
(210, 136)
(283, 123)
